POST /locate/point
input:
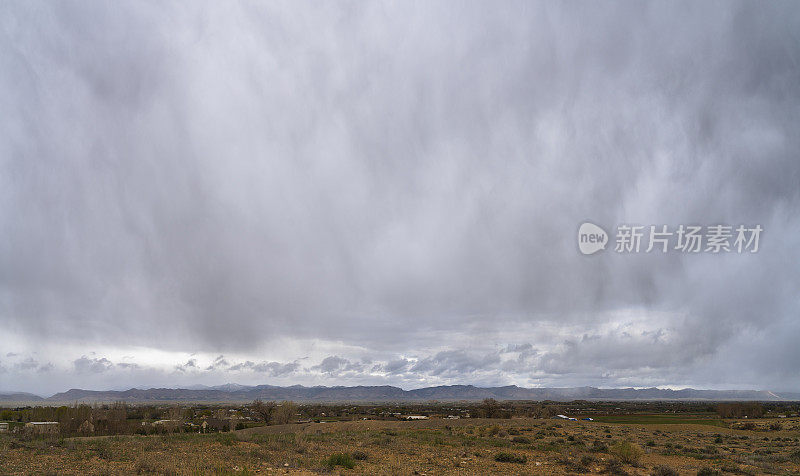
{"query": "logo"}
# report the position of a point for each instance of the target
(591, 238)
(719, 238)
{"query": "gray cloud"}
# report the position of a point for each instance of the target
(219, 363)
(276, 369)
(337, 365)
(190, 364)
(92, 365)
(392, 178)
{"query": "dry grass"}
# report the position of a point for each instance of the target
(466, 446)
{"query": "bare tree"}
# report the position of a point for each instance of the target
(264, 410)
(284, 413)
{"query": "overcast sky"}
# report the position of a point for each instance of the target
(344, 193)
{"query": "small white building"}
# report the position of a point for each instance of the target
(3, 427)
(416, 417)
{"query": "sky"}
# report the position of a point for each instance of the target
(389, 193)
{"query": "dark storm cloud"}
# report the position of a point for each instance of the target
(215, 178)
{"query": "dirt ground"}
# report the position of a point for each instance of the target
(436, 446)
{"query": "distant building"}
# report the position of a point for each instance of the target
(3, 427)
(169, 425)
(42, 427)
(416, 417)
(215, 424)
(86, 427)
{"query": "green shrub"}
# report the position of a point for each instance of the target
(340, 459)
(510, 458)
(626, 452)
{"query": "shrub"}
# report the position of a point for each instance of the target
(510, 458)
(341, 459)
(359, 455)
(626, 452)
(145, 466)
(706, 471)
(613, 466)
(598, 446)
(573, 467)
(664, 471)
(103, 449)
(795, 456)
(226, 439)
(521, 439)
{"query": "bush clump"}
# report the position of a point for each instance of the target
(614, 467)
(510, 458)
(664, 471)
(359, 455)
(706, 471)
(340, 459)
(226, 439)
(626, 452)
(598, 446)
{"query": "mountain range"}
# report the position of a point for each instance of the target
(242, 393)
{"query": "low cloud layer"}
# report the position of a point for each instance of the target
(381, 193)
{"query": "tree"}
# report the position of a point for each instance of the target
(740, 410)
(489, 408)
(284, 413)
(263, 410)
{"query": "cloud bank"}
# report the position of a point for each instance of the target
(388, 193)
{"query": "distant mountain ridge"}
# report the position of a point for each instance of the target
(386, 393)
(19, 397)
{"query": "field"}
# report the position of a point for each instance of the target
(636, 444)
